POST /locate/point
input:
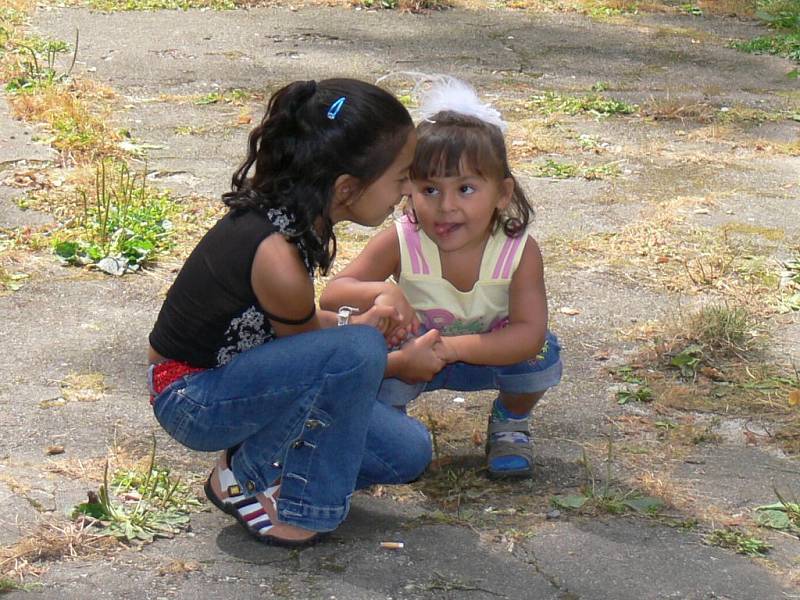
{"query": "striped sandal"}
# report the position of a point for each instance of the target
(258, 513)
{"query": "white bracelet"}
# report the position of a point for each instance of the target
(343, 315)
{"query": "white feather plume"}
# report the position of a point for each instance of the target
(449, 93)
(444, 92)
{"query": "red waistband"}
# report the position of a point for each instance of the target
(166, 373)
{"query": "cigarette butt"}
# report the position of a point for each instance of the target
(392, 545)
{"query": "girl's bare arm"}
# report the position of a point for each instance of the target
(360, 282)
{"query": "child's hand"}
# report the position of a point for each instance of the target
(407, 324)
(380, 317)
(446, 350)
(421, 359)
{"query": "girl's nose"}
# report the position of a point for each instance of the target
(447, 202)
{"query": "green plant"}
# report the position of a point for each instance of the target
(38, 64)
(141, 506)
(145, 5)
(688, 360)
(234, 96)
(722, 330)
(559, 170)
(604, 497)
(782, 515)
(595, 104)
(691, 9)
(635, 393)
(783, 16)
(122, 226)
(737, 541)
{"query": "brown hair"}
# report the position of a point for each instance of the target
(449, 142)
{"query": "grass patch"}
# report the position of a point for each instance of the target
(403, 5)
(235, 96)
(75, 114)
(790, 285)
(662, 250)
(121, 225)
(739, 542)
(594, 104)
(49, 542)
(141, 505)
(558, 170)
(783, 17)
(110, 6)
(602, 497)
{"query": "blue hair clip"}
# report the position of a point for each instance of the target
(335, 108)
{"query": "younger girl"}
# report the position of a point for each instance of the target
(466, 265)
(241, 359)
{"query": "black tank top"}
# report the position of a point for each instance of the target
(211, 312)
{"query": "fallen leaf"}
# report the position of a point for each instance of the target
(662, 259)
(601, 355)
(244, 120)
(176, 567)
(55, 450)
(568, 310)
(713, 374)
(794, 398)
(477, 438)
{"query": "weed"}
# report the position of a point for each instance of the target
(70, 110)
(142, 505)
(722, 330)
(737, 541)
(783, 16)
(559, 170)
(782, 515)
(147, 5)
(125, 224)
(36, 64)
(691, 9)
(605, 498)
(235, 96)
(595, 104)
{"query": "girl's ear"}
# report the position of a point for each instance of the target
(345, 190)
(506, 193)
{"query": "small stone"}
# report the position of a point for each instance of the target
(553, 514)
(55, 450)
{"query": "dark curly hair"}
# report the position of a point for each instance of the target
(299, 151)
(449, 142)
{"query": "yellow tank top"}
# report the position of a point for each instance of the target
(439, 304)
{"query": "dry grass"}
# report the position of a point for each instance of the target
(50, 542)
(83, 387)
(664, 251)
(737, 8)
(76, 115)
(681, 109)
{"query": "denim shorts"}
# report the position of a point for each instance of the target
(527, 377)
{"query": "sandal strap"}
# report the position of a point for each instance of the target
(509, 426)
(523, 449)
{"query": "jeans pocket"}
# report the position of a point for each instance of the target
(175, 412)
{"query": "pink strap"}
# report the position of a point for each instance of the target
(506, 259)
(414, 245)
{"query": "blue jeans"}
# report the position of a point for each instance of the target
(303, 409)
(526, 377)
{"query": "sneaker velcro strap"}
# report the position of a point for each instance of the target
(511, 426)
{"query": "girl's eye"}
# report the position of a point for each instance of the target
(467, 189)
(429, 190)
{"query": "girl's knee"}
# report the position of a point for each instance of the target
(418, 451)
(362, 346)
